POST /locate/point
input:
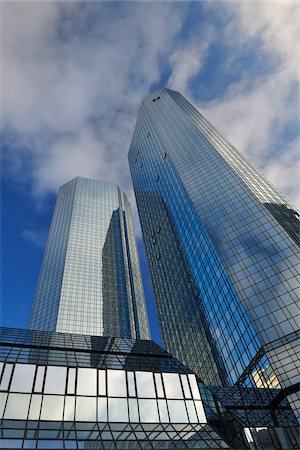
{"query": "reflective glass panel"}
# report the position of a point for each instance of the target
(117, 410)
(11, 443)
(86, 381)
(200, 412)
(55, 380)
(177, 411)
(52, 408)
(191, 411)
(159, 386)
(116, 383)
(133, 410)
(131, 385)
(101, 382)
(6, 377)
(249, 437)
(71, 381)
(194, 386)
(145, 384)
(148, 411)
(102, 409)
(2, 402)
(39, 380)
(23, 377)
(185, 385)
(172, 385)
(69, 408)
(17, 406)
(86, 409)
(163, 411)
(35, 407)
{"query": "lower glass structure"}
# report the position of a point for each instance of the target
(61, 390)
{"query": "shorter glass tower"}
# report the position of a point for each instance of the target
(90, 280)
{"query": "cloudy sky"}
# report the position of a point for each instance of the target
(73, 75)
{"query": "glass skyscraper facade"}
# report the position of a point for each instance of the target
(223, 250)
(90, 280)
(87, 376)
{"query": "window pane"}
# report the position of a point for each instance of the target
(200, 412)
(6, 377)
(39, 380)
(194, 386)
(52, 408)
(159, 386)
(148, 411)
(116, 383)
(2, 403)
(133, 410)
(101, 381)
(23, 378)
(69, 408)
(163, 411)
(86, 382)
(131, 385)
(117, 410)
(55, 380)
(11, 443)
(71, 381)
(102, 409)
(17, 406)
(86, 409)
(177, 411)
(249, 437)
(35, 407)
(145, 384)
(191, 411)
(186, 387)
(172, 385)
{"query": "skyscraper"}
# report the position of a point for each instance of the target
(90, 280)
(223, 250)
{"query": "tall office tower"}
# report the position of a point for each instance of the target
(90, 280)
(223, 248)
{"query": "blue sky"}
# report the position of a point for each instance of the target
(73, 76)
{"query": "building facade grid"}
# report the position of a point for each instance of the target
(236, 233)
(90, 280)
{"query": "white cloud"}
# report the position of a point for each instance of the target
(73, 77)
(188, 58)
(284, 171)
(276, 23)
(253, 119)
(36, 237)
(255, 113)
